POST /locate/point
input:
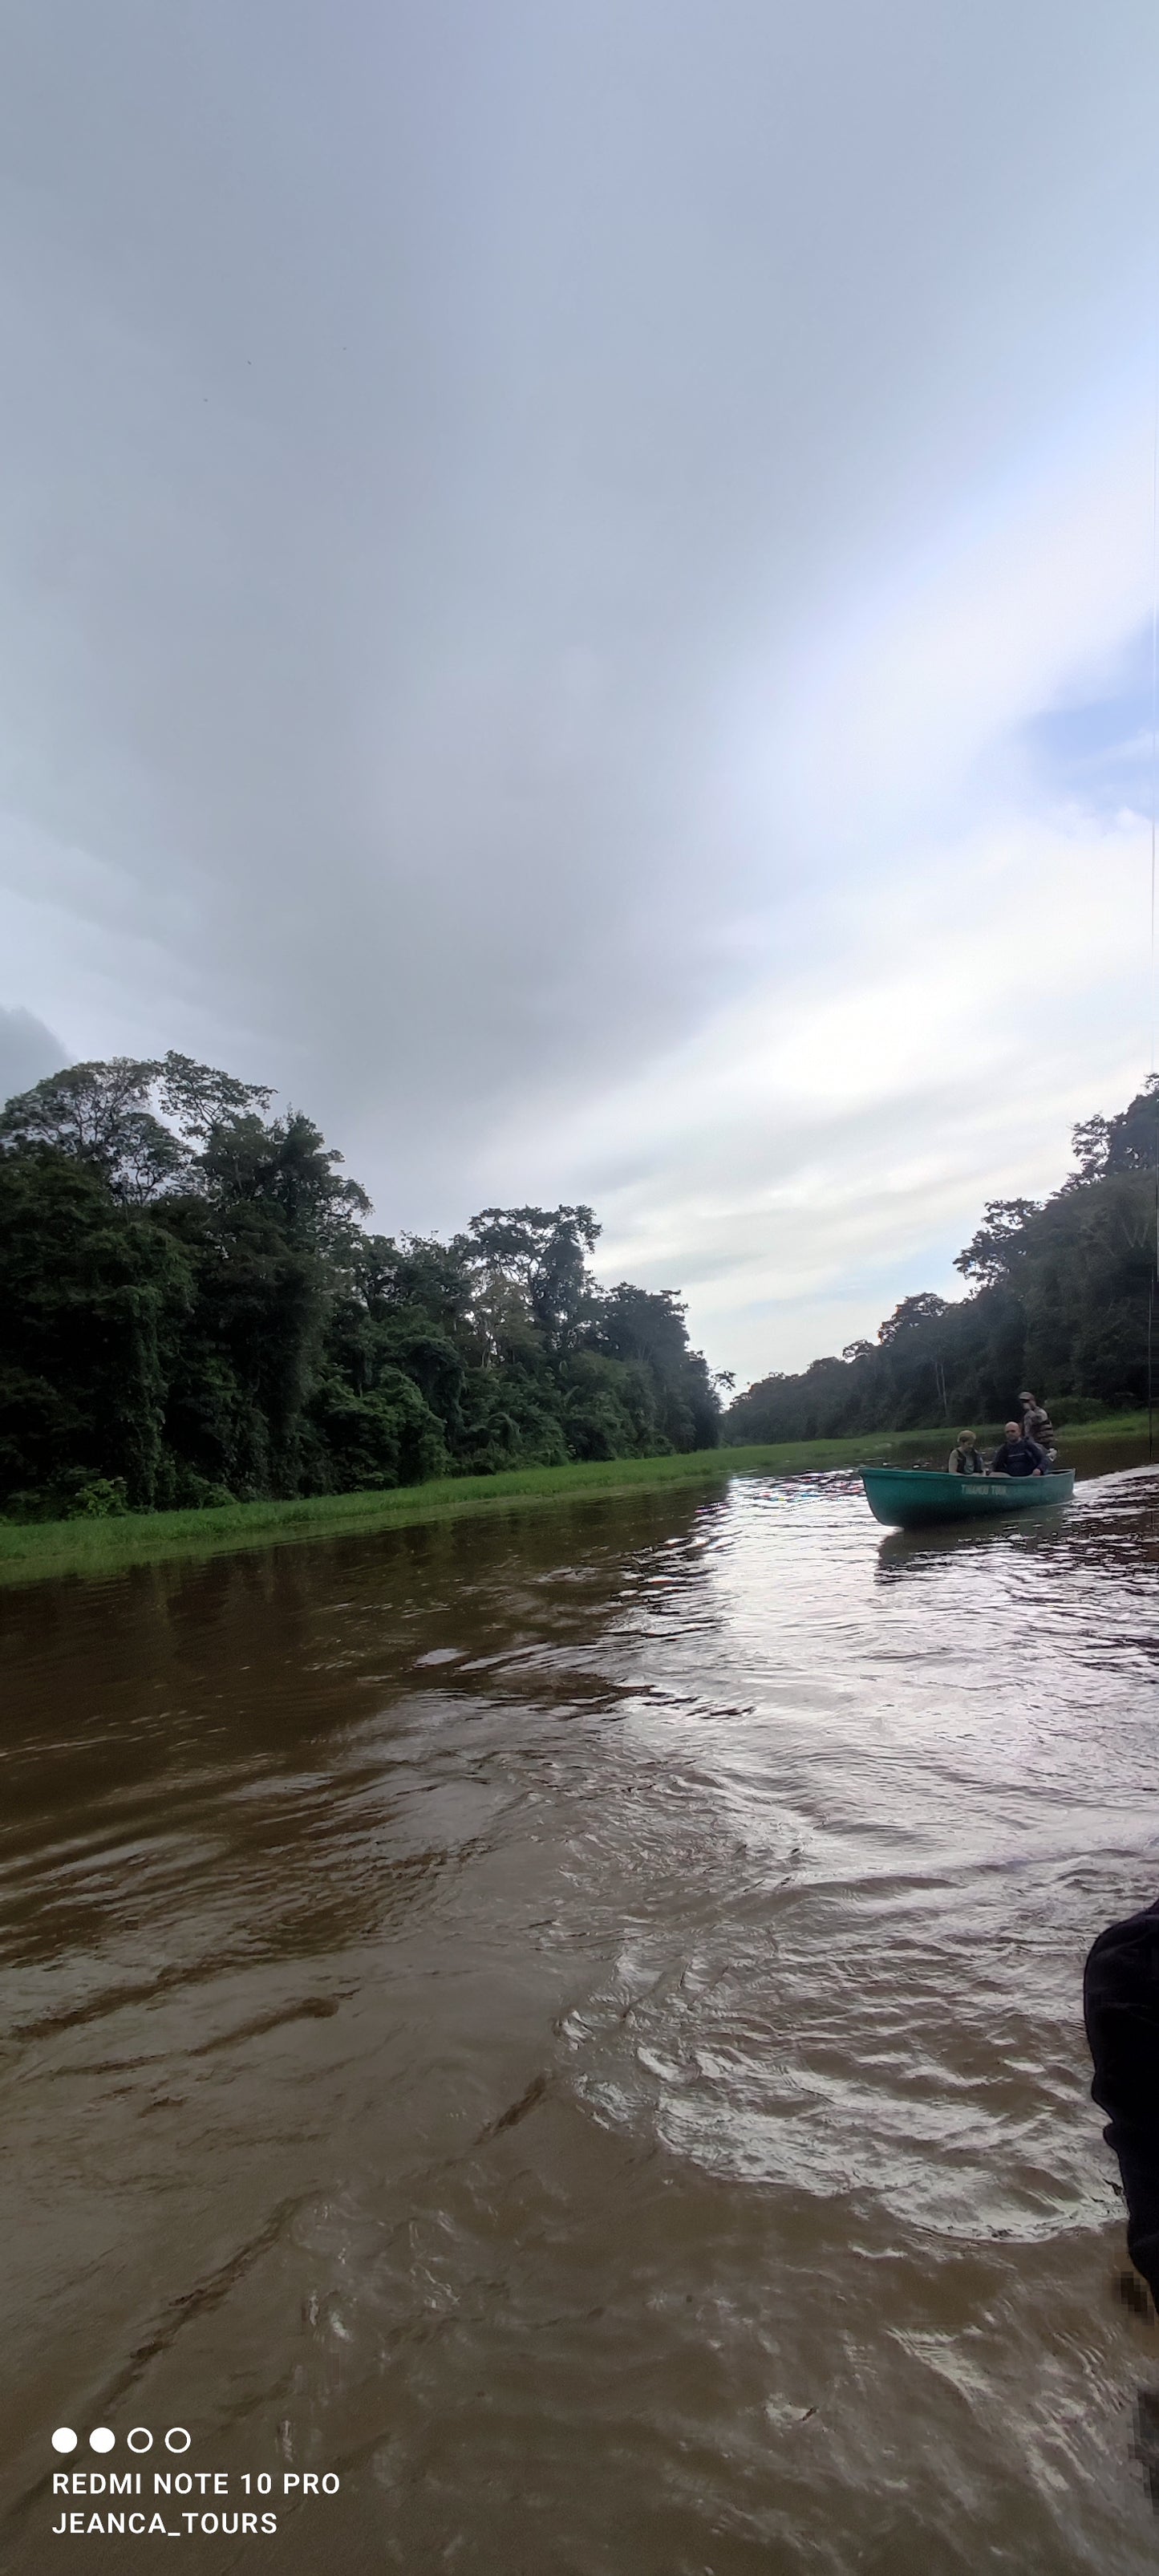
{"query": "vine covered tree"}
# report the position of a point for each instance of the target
(196, 1309)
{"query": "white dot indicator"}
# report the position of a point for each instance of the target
(102, 2439)
(64, 2439)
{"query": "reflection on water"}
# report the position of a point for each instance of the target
(576, 2025)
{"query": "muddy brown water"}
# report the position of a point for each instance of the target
(570, 2025)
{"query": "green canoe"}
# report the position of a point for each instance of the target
(917, 1497)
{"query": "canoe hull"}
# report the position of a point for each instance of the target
(918, 1498)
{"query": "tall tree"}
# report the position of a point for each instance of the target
(106, 1115)
(95, 1298)
(539, 1253)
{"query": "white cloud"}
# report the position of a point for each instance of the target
(840, 1132)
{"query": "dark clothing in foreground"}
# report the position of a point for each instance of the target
(1018, 1458)
(1121, 2008)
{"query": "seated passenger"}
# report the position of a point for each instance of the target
(967, 1459)
(1037, 1424)
(1018, 1456)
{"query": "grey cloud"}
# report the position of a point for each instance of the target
(28, 1051)
(414, 417)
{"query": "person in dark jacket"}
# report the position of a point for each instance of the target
(1018, 1456)
(1121, 2011)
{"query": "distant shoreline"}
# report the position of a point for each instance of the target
(33, 1551)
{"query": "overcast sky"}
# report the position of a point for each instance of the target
(577, 582)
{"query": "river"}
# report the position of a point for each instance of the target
(570, 2025)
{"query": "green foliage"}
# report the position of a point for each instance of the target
(102, 1499)
(1068, 1411)
(998, 1245)
(197, 1315)
(94, 1297)
(909, 1317)
(647, 1328)
(1061, 1300)
(104, 1115)
(363, 1442)
(1104, 1147)
(534, 1288)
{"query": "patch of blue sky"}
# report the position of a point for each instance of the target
(1096, 746)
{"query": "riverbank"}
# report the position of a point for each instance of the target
(33, 1550)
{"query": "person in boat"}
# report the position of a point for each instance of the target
(1121, 2011)
(967, 1458)
(1037, 1424)
(1018, 1456)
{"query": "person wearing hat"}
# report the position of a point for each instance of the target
(1037, 1424)
(967, 1459)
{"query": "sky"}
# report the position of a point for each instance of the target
(576, 592)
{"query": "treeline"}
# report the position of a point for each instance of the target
(196, 1311)
(1061, 1301)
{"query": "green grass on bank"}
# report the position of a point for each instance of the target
(31, 1550)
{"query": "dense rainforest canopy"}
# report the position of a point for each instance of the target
(195, 1310)
(1061, 1301)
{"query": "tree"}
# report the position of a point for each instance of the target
(538, 1252)
(1061, 1295)
(102, 1115)
(992, 1252)
(384, 1436)
(272, 1229)
(288, 1168)
(648, 1327)
(198, 1308)
(95, 1298)
(912, 1312)
(1128, 1143)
